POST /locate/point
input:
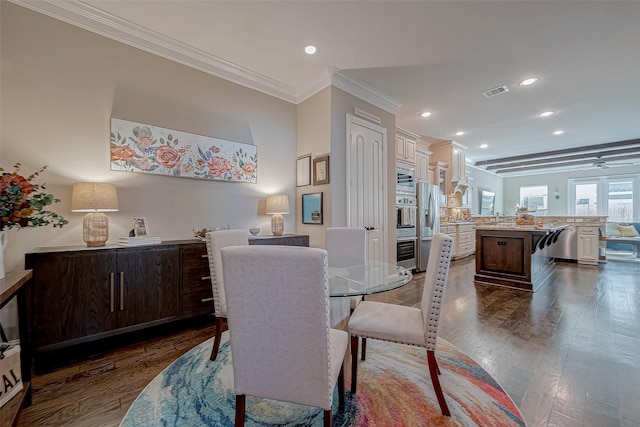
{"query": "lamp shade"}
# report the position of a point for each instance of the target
(94, 197)
(277, 204)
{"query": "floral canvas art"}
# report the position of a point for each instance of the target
(137, 147)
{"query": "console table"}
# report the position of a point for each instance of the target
(15, 284)
(83, 294)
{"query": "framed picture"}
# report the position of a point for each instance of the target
(312, 208)
(321, 170)
(303, 171)
(140, 227)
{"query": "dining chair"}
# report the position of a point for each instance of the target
(408, 325)
(346, 246)
(216, 240)
(282, 346)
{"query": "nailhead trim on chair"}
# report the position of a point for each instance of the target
(212, 272)
(431, 327)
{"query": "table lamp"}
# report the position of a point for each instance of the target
(276, 206)
(95, 198)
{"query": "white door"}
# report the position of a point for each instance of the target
(366, 183)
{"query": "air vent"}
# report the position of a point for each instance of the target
(495, 91)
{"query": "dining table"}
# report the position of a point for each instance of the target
(369, 278)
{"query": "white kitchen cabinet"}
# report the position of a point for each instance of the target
(406, 146)
(422, 165)
(464, 238)
(455, 155)
(588, 242)
(440, 178)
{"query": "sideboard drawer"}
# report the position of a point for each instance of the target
(197, 296)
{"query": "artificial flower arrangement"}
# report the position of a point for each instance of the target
(22, 205)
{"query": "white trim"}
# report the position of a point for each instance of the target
(363, 91)
(97, 21)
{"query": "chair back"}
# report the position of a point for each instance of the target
(435, 280)
(216, 240)
(346, 246)
(278, 301)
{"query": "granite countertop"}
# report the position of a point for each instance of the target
(514, 227)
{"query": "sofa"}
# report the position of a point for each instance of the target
(623, 236)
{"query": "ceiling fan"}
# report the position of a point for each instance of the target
(603, 164)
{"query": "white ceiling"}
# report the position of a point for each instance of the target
(436, 56)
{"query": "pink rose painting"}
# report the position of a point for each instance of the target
(138, 147)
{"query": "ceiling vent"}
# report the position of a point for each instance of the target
(495, 91)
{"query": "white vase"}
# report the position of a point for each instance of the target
(3, 243)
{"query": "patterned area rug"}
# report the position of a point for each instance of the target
(394, 389)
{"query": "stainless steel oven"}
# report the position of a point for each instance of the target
(405, 180)
(406, 216)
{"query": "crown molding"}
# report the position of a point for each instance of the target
(363, 91)
(92, 19)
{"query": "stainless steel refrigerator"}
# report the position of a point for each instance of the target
(427, 221)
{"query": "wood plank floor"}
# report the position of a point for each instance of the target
(569, 355)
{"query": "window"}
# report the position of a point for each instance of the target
(534, 199)
(614, 197)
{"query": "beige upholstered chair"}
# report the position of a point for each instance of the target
(408, 325)
(282, 347)
(346, 246)
(216, 240)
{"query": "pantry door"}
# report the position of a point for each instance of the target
(366, 183)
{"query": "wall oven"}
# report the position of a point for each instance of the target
(406, 236)
(405, 180)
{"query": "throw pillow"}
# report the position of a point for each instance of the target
(628, 231)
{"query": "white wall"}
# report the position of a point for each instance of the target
(555, 182)
(60, 86)
(483, 180)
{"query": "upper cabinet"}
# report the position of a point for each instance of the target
(455, 155)
(422, 165)
(406, 146)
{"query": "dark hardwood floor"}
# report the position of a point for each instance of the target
(569, 354)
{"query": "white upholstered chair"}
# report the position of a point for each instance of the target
(216, 240)
(346, 246)
(408, 325)
(282, 347)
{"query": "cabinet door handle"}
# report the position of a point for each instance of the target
(121, 290)
(205, 256)
(113, 278)
(206, 299)
(205, 278)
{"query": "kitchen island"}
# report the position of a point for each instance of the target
(515, 256)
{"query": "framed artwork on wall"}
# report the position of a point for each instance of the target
(321, 170)
(303, 171)
(312, 208)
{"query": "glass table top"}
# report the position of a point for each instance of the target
(370, 278)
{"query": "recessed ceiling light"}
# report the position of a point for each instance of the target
(310, 50)
(528, 82)
(546, 114)
(460, 133)
(558, 132)
(484, 145)
(426, 114)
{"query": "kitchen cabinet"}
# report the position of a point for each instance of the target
(440, 178)
(406, 146)
(588, 245)
(464, 238)
(81, 295)
(455, 155)
(422, 166)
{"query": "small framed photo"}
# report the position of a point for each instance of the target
(312, 208)
(303, 171)
(140, 227)
(321, 170)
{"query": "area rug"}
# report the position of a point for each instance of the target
(394, 389)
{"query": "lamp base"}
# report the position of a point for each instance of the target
(95, 229)
(277, 225)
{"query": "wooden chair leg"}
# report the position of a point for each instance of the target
(433, 370)
(364, 348)
(328, 418)
(240, 414)
(216, 338)
(341, 389)
(354, 363)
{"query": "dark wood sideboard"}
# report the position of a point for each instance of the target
(81, 294)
